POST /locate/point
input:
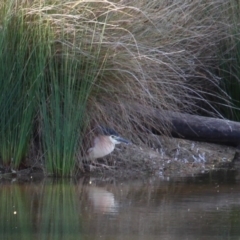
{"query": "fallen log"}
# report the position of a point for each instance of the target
(193, 127)
(201, 128)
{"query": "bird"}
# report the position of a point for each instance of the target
(104, 143)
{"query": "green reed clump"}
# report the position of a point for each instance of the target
(70, 76)
(50, 77)
(22, 61)
(64, 94)
(62, 116)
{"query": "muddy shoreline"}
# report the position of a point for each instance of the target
(160, 156)
(170, 157)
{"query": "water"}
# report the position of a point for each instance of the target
(203, 207)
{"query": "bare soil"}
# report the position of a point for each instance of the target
(164, 156)
(154, 155)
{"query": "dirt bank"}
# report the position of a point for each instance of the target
(166, 156)
(154, 155)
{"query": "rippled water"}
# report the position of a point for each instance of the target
(203, 207)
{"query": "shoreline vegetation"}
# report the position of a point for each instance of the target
(68, 66)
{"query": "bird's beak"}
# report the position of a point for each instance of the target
(120, 139)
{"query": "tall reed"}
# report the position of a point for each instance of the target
(62, 113)
(22, 61)
(64, 94)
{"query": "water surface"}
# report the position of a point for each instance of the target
(203, 207)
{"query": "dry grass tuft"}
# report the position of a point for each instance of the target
(149, 54)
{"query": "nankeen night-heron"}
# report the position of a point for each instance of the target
(104, 143)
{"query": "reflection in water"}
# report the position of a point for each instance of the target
(206, 207)
(102, 200)
(48, 209)
(59, 213)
